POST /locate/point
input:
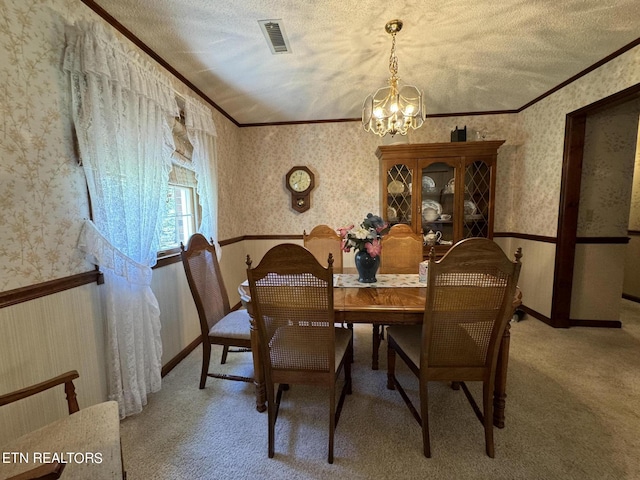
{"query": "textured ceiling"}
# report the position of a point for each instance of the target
(467, 56)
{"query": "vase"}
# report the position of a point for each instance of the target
(367, 266)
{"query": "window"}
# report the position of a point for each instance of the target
(180, 217)
(181, 214)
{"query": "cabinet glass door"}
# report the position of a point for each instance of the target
(438, 205)
(477, 181)
(399, 185)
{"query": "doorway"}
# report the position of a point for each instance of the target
(568, 215)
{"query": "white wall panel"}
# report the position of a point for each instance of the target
(43, 338)
(632, 268)
(597, 281)
(536, 275)
(178, 314)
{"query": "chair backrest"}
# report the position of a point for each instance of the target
(292, 298)
(205, 281)
(321, 241)
(469, 302)
(401, 250)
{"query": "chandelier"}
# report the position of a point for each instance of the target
(396, 108)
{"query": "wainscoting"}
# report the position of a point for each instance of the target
(536, 276)
(62, 331)
(42, 336)
(45, 337)
(631, 285)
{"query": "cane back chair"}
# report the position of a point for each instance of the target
(219, 325)
(292, 297)
(469, 302)
(401, 253)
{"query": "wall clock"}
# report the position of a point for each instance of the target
(300, 181)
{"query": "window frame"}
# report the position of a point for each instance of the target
(196, 213)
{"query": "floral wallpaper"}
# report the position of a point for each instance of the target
(44, 200)
(342, 156)
(43, 197)
(536, 184)
(42, 194)
(607, 170)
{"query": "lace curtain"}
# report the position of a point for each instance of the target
(202, 135)
(121, 109)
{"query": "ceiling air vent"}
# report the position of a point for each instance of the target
(276, 37)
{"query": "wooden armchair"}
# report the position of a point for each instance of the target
(470, 294)
(322, 241)
(94, 431)
(292, 297)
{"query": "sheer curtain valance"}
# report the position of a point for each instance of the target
(122, 108)
(202, 135)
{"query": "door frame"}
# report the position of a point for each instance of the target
(569, 203)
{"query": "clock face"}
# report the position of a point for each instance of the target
(300, 180)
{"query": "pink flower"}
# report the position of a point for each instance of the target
(374, 248)
(381, 227)
(343, 231)
(344, 246)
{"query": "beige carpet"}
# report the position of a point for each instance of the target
(573, 412)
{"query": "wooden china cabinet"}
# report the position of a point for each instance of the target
(447, 188)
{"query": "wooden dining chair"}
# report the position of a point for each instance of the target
(401, 250)
(401, 253)
(321, 241)
(292, 298)
(218, 324)
(469, 302)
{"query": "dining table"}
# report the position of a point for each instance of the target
(394, 299)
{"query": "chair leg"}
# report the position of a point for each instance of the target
(487, 400)
(375, 337)
(225, 351)
(350, 327)
(424, 414)
(332, 418)
(391, 366)
(206, 357)
(347, 367)
(271, 418)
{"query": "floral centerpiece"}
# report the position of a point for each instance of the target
(366, 236)
(366, 241)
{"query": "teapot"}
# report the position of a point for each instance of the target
(432, 237)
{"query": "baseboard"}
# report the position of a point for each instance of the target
(537, 315)
(595, 323)
(171, 364)
(573, 322)
(633, 298)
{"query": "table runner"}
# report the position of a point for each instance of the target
(384, 280)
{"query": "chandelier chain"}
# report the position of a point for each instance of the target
(393, 60)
